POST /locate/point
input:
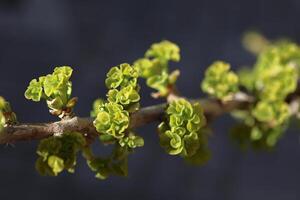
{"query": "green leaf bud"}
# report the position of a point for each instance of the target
(7, 116)
(122, 75)
(65, 71)
(59, 153)
(132, 141)
(115, 164)
(277, 84)
(159, 82)
(180, 134)
(125, 96)
(154, 67)
(112, 119)
(275, 113)
(114, 78)
(164, 50)
(56, 89)
(56, 164)
(34, 91)
(52, 83)
(98, 103)
(148, 68)
(219, 81)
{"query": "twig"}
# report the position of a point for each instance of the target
(24, 132)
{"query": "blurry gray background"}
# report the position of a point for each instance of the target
(91, 36)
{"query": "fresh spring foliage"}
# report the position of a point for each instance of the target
(182, 132)
(7, 116)
(270, 89)
(219, 81)
(112, 119)
(115, 164)
(273, 78)
(59, 153)
(154, 67)
(56, 89)
(113, 115)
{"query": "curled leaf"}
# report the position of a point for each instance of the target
(219, 81)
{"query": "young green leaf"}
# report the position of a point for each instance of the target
(56, 89)
(59, 153)
(219, 81)
(154, 67)
(181, 133)
(112, 119)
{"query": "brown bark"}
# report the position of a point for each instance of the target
(24, 132)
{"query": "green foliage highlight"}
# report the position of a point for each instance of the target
(131, 141)
(122, 76)
(96, 105)
(275, 73)
(112, 116)
(112, 119)
(273, 78)
(154, 67)
(56, 89)
(275, 113)
(34, 90)
(219, 81)
(115, 164)
(181, 133)
(123, 88)
(266, 102)
(7, 116)
(276, 85)
(59, 153)
(258, 136)
(125, 96)
(165, 50)
(262, 126)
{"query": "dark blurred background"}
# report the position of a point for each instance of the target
(91, 36)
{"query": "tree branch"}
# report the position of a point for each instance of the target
(24, 132)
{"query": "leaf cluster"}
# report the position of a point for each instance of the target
(220, 82)
(272, 79)
(181, 133)
(154, 67)
(56, 89)
(112, 119)
(59, 153)
(115, 164)
(113, 115)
